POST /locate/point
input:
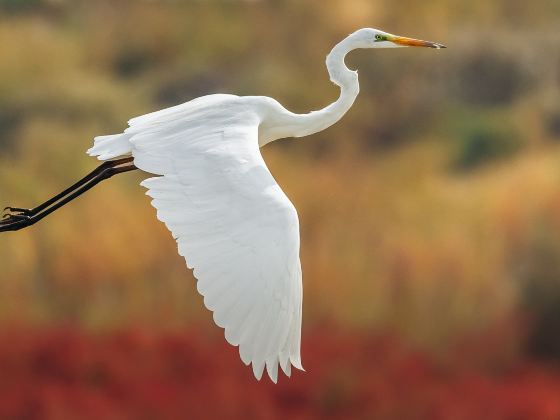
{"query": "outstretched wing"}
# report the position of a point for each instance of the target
(233, 224)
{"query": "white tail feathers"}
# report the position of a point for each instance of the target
(109, 147)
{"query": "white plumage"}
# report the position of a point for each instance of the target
(233, 224)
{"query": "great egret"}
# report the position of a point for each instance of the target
(233, 224)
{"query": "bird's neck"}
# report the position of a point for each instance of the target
(341, 76)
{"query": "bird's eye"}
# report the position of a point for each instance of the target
(379, 37)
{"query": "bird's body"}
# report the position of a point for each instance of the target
(233, 224)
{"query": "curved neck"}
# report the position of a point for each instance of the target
(341, 76)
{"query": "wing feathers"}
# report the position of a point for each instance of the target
(232, 222)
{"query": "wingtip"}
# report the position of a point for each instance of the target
(272, 370)
(258, 368)
(288, 370)
(296, 362)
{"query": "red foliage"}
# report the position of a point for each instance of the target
(69, 374)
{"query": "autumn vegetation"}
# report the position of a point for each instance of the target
(430, 215)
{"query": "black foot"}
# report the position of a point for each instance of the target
(15, 222)
(8, 211)
(14, 218)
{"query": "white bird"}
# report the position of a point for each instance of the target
(233, 224)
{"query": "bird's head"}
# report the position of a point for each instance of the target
(374, 38)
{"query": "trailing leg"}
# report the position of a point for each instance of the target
(18, 218)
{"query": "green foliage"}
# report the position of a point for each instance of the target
(132, 62)
(18, 6)
(482, 140)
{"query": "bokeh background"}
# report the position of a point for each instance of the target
(430, 215)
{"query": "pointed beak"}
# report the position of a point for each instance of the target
(411, 42)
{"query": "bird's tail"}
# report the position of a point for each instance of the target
(109, 147)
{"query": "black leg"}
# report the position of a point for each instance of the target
(83, 181)
(21, 218)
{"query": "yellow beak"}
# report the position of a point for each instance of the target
(411, 42)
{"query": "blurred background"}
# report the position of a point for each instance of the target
(430, 215)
